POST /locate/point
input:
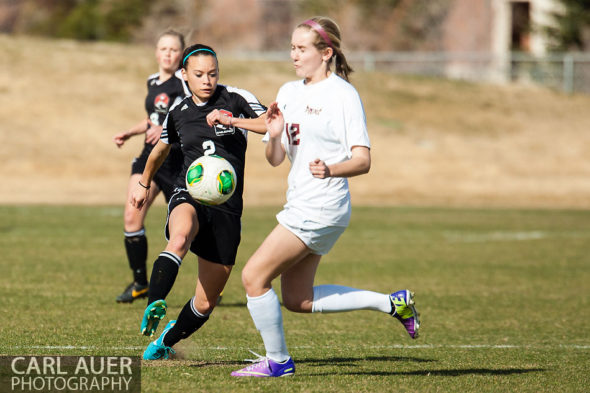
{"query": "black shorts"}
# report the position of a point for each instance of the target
(165, 177)
(219, 232)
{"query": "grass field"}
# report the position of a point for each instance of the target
(504, 293)
(504, 296)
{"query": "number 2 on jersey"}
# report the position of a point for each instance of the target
(208, 148)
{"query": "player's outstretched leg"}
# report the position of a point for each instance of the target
(402, 305)
(152, 315)
(266, 367)
(157, 350)
(132, 292)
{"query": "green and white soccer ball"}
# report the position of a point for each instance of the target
(211, 180)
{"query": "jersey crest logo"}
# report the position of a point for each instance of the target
(220, 129)
(161, 103)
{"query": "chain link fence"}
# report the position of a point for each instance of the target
(568, 72)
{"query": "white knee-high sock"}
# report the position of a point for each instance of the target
(337, 298)
(268, 319)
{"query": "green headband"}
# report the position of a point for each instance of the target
(198, 50)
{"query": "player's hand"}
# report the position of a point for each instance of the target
(217, 117)
(152, 135)
(138, 196)
(120, 138)
(274, 120)
(319, 169)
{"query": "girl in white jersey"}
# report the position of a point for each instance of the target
(319, 124)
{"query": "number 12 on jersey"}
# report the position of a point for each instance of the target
(292, 131)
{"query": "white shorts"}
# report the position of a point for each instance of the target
(319, 238)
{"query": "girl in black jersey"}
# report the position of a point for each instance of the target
(164, 89)
(206, 123)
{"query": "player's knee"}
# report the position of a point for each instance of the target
(251, 280)
(204, 306)
(179, 244)
(132, 221)
(246, 279)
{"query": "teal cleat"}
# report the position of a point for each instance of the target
(152, 316)
(157, 350)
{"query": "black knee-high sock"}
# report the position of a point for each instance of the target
(163, 276)
(137, 248)
(189, 321)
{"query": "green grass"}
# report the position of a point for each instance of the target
(504, 296)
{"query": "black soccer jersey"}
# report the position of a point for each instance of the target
(160, 98)
(186, 123)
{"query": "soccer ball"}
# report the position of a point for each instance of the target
(211, 180)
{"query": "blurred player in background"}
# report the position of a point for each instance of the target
(164, 89)
(209, 122)
(319, 124)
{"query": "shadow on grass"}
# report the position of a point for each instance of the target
(443, 373)
(349, 361)
(340, 361)
(352, 362)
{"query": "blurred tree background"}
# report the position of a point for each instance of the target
(374, 25)
(79, 19)
(382, 24)
(572, 27)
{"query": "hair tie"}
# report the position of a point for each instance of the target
(320, 30)
(198, 50)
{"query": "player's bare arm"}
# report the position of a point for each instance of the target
(275, 153)
(137, 129)
(359, 164)
(257, 125)
(154, 161)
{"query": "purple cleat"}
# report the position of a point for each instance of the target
(402, 306)
(266, 367)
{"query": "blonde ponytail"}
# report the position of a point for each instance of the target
(328, 36)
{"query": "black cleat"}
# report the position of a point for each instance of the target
(132, 292)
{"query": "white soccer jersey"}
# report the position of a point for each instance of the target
(323, 120)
